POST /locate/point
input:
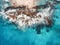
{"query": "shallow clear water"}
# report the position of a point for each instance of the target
(10, 35)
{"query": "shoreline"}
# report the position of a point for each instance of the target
(23, 20)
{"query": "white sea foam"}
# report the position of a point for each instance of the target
(31, 21)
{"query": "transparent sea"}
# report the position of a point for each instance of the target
(11, 35)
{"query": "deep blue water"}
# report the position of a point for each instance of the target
(10, 35)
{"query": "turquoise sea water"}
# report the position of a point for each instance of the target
(10, 35)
